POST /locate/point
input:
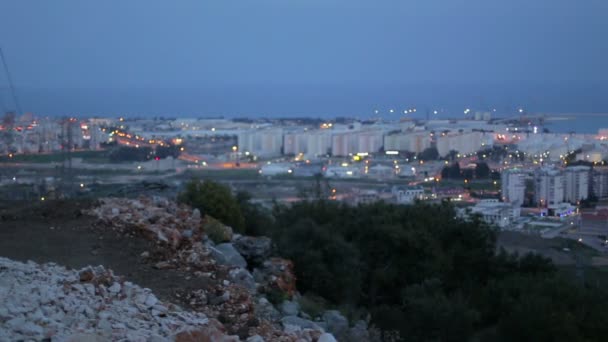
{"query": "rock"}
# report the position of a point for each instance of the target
(86, 275)
(254, 249)
(336, 323)
(204, 335)
(196, 214)
(242, 277)
(217, 300)
(163, 265)
(226, 254)
(276, 274)
(31, 329)
(265, 310)
(327, 338)
(358, 333)
(290, 308)
(82, 337)
(255, 338)
(115, 288)
(300, 323)
(145, 254)
(151, 300)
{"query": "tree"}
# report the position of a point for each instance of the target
(126, 153)
(426, 275)
(216, 200)
(257, 220)
(166, 151)
(482, 170)
(324, 262)
(452, 155)
(430, 153)
(451, 172)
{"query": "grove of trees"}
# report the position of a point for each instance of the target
(419, 271)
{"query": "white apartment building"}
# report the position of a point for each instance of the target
(549, 187)
(599, 185)
(463, 143)
(261, 142)
(295, 143)
(576, 183)
(319, 143)
(353, 142)
(412, 142)
(513, 186)
(309, 143)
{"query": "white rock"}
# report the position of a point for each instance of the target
(151, 300)
(34, 303)
(115, 288)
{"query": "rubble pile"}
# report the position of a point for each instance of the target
(155, 217)
(50, 302)
(276, 274)
(234, 296)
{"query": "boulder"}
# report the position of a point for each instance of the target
(289, 322)
(336, 323)
(327, 338)
(265, 310)
(290, 308)
(254, 249)
(242, 277)
(255, 338)
(359, 332)
(276, 274)
(226, 254)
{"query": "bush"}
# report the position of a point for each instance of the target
(214, 199)
(217, 231)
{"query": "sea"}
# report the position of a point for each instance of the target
(363, 101)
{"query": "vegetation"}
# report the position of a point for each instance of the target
(422, 273)
(430, 153)
(216, 200)
(167, 151)
(88, 156)
(126, 154)
(426, 275)
(453, 171)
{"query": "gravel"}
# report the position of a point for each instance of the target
(49, 301)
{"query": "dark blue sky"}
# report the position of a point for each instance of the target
(294, 44)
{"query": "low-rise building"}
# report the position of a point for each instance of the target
(497, 213)
(407, 195)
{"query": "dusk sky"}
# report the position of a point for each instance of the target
(383, 43)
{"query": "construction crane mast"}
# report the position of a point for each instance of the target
(10, 83)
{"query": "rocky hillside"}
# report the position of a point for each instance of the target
(240, 282)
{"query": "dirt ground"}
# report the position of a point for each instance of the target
(58, 232)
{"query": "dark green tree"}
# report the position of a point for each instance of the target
(430, 153)
(215, 200)
(482, 170)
